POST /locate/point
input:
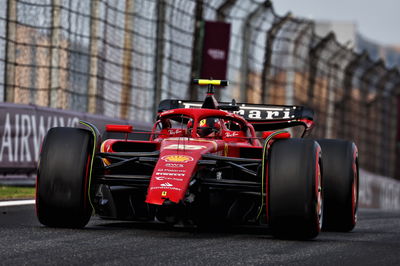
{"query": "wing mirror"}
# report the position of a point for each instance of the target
(119, 128)
(280, 135)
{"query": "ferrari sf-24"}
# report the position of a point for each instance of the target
(204, 164)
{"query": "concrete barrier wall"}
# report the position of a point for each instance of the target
(379, 191)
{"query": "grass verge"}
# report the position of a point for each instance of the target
(7, 192)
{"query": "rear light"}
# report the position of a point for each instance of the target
(119, 128)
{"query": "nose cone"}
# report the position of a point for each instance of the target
(175, 168)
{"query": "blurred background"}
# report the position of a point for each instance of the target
(113, 61)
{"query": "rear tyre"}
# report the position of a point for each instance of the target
(341, 182)
(63, 178)
(294, 189)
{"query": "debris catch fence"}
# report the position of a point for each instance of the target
(119, 58)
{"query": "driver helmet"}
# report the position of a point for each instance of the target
(208, 126)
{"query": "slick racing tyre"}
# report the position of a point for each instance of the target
(294, 197)
(63, 178)
(341, 182)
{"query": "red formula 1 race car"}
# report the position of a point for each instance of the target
(205, 164)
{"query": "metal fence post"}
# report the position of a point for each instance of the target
(93, 103)
(9, 70)
(197, 48)
(296, 44)
(159, 58)
(315, 53)
(221, 16)
(56, 96)
(394, 124)
(384, 151)
(330, 112)
(344, 130)
(247, 32)
(364, 118)
(268, 54)
(376, 113)
(396, 121)
(126, 92)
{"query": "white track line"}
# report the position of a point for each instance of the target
(16, 203)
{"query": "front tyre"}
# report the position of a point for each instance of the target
(62, 198)
(294, 189)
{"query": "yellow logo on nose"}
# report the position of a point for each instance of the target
(164, 193)
(177, 158)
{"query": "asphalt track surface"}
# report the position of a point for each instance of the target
(23, 241)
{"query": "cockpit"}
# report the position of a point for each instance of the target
(199, 125)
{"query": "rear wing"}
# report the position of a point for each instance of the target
(263, 117)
